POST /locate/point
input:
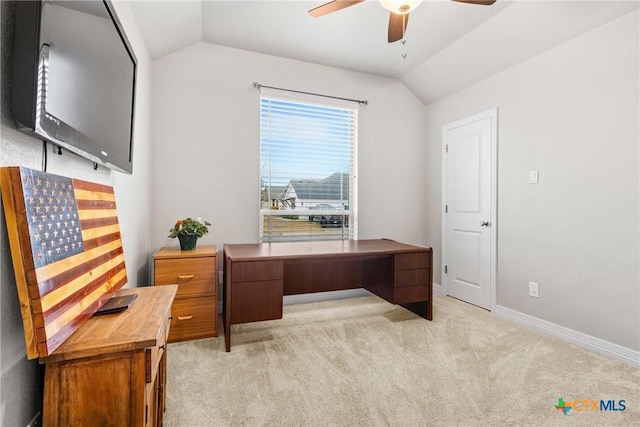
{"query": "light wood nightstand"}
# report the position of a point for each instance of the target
(195, 308)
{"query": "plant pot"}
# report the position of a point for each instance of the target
(187, 242)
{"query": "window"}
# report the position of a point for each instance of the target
(308, 170)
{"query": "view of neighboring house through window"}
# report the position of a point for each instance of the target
(308, 170)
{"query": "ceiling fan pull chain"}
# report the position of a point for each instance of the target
(404, 26)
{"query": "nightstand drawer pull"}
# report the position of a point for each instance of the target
(186, 276)
(185, 317)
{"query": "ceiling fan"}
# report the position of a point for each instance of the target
(398, 12)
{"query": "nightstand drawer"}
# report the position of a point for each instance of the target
(193, 318)
(193, 276)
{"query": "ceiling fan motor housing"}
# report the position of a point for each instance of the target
(400, 6)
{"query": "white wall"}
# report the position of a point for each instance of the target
(206, 143)
(133, 192)
(21, 389)
(572, 113)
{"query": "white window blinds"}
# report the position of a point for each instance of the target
(307, 170)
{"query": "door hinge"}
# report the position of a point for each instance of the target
(445, 269)
(446, 208)
(446, 148)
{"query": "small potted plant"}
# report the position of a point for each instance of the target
(188, 231)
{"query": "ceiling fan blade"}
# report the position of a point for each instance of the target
(480, 2)
(332, 6)
(397, 26)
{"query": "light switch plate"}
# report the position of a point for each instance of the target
(533, 177)
(534, 290)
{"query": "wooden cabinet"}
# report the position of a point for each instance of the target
(112, 370)
(195, 309)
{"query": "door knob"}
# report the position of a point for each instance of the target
(484, 223)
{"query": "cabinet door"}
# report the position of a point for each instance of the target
(151, 412)
(155, 395)
(116, 384)
(162, 386)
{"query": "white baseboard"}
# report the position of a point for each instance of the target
(324, 296)
(332, 295)
(317, 297)
(438, 289)
(597, 345)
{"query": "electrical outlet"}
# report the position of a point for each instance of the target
(533, 290)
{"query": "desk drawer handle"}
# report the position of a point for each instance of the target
(186, 276)
(185, 317)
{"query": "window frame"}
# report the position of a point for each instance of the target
(349, 226)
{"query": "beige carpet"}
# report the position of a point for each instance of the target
(364, 362)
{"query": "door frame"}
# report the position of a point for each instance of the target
(493, 115)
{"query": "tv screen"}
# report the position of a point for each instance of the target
(74, 79)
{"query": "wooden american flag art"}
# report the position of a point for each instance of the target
(66, 250)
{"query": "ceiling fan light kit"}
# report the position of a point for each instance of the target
(400, 6)
(398, 12)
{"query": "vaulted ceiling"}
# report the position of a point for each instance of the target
(448, 45)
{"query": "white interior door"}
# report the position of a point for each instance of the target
(469, 220)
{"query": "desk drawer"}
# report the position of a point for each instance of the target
(193, 318)
(193, 276)
(410, 294)
(256, 301)
(415, 277)
(255, 271)
(411, 260)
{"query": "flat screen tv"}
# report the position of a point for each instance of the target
(74, 77)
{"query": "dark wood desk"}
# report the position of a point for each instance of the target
(257, 276)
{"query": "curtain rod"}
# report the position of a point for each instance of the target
(258, 86)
